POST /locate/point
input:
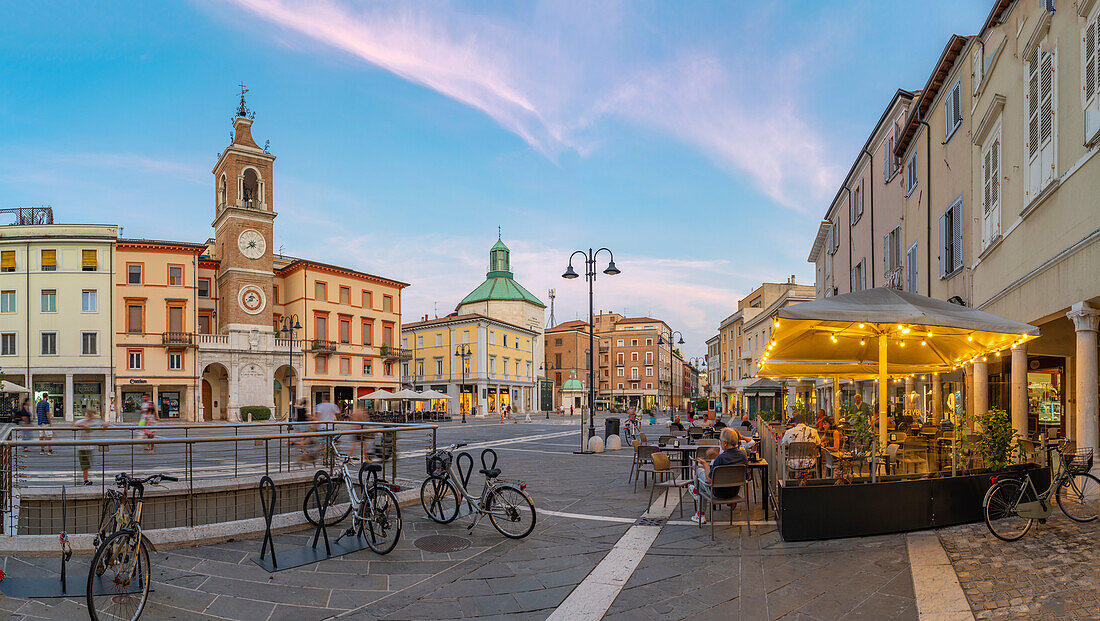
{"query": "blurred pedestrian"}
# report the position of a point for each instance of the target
(45, 433)
(26, 421)
(148, 424)
(84, 453)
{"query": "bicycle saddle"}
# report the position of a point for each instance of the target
(373, 467)
(491, 473)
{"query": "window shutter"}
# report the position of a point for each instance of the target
(957, 236)
(860, 212)
(956, 103)
(995, 173)
(944, 242)
(1046, 89)
(987, 168)
(7, 260)
(851, 207)
(49, 259)
(1033, 104)
(88, 260)
(912, 261)
(1090, 61)
(886, 254)
(948, 116)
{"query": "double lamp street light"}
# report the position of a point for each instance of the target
(590, 276)
(671, 387)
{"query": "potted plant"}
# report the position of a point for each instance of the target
(998, 443)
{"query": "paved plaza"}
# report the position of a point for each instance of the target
(587, 510)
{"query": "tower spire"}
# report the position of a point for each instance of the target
(242, 109)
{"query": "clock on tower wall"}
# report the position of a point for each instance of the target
(243, 226)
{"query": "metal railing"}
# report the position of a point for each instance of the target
(322, 346)
(177, 338)
(199, 454)
(390, 352)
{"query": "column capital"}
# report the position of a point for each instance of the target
(1084, 316)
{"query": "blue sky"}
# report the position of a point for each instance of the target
(699, 141)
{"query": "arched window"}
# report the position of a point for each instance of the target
(250, 189)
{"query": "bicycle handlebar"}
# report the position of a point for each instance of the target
(124, 480)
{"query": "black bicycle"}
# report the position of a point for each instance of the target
(121, 560)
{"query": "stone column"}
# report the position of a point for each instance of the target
(69, 397)
(1018, 390)
(968, 371)
(981, 391)
(937, 398)
(908, 402)
(792, 397)
(1085, 320)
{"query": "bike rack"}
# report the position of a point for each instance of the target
(66, 586)
(325, 489)
(267, 501)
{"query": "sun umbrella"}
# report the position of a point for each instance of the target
(6, 386)
(435, 394)
(881, 333)
(378, 395)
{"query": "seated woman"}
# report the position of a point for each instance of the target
(831, 438)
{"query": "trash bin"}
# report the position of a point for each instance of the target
(610, 427)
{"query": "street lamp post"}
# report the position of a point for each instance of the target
(661, 341)
(463, 352)
(590, 275)
(547, 369)
(289, 324)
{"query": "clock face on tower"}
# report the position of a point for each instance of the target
(252, 243)
(252, 299)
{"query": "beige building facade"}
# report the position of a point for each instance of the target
(56, 317)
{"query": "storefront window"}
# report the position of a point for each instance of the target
(87, 395)
(169, 404)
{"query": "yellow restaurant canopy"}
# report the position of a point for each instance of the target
(882, 333)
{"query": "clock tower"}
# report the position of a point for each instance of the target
(243, 222)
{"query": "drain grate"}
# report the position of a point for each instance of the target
(650, 521)
(442, 543)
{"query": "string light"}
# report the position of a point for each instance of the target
(863, 342)
(833, 338)
(905, 330)
(861, 325)
(903, 343)
(970, 338)
(924, 342)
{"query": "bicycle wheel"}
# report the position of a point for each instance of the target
(511, 511)
(1077, 497)
(382, 526)
(440, 499)
(107, 520)
(119, 586)
(1000, 511)
(333, 515)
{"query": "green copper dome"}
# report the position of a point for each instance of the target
(499, 284)
(572, 383)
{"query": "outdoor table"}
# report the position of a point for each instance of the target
(683, 450)
(765, 490)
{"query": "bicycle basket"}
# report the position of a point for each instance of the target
(1078, 461)
(438, 462)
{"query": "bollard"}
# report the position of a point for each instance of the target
(595, 444)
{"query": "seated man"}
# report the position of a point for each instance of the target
(820, 419)
(730, 455)
(676, 425)
(745, 423)
(801, 432)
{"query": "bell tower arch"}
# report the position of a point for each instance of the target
(244, 217)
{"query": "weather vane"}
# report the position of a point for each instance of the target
(498, 231)
(242, 109)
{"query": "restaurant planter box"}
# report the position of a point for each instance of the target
(822, 510)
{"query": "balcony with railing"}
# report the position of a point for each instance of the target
(178, 339)
(211, 339)
(389, 352)
(322, 346)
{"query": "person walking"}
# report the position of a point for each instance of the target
(42, 409)
(84, 453)
(148, 423)
(26, 421)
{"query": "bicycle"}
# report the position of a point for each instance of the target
(631, 430)
(122, 557)
(377, 512)
(1013, 504)
(506, 504)
(110, 516)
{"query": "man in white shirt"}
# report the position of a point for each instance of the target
(326, 412)
(801, 432)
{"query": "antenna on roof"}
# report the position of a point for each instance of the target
(552, 294)
(435, 308)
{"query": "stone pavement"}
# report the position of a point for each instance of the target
(683, 574)
(1051, 573)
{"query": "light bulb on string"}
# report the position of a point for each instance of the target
(970, 338)
(861, 325)
(924, 342)
(905, 330)
(863, 342)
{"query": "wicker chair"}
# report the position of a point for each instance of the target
(665, 476)
(725, 477)
(645, 468)
(801, 460)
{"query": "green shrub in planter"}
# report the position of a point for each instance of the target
(255, 412)
(768, 415)
(997, 442)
